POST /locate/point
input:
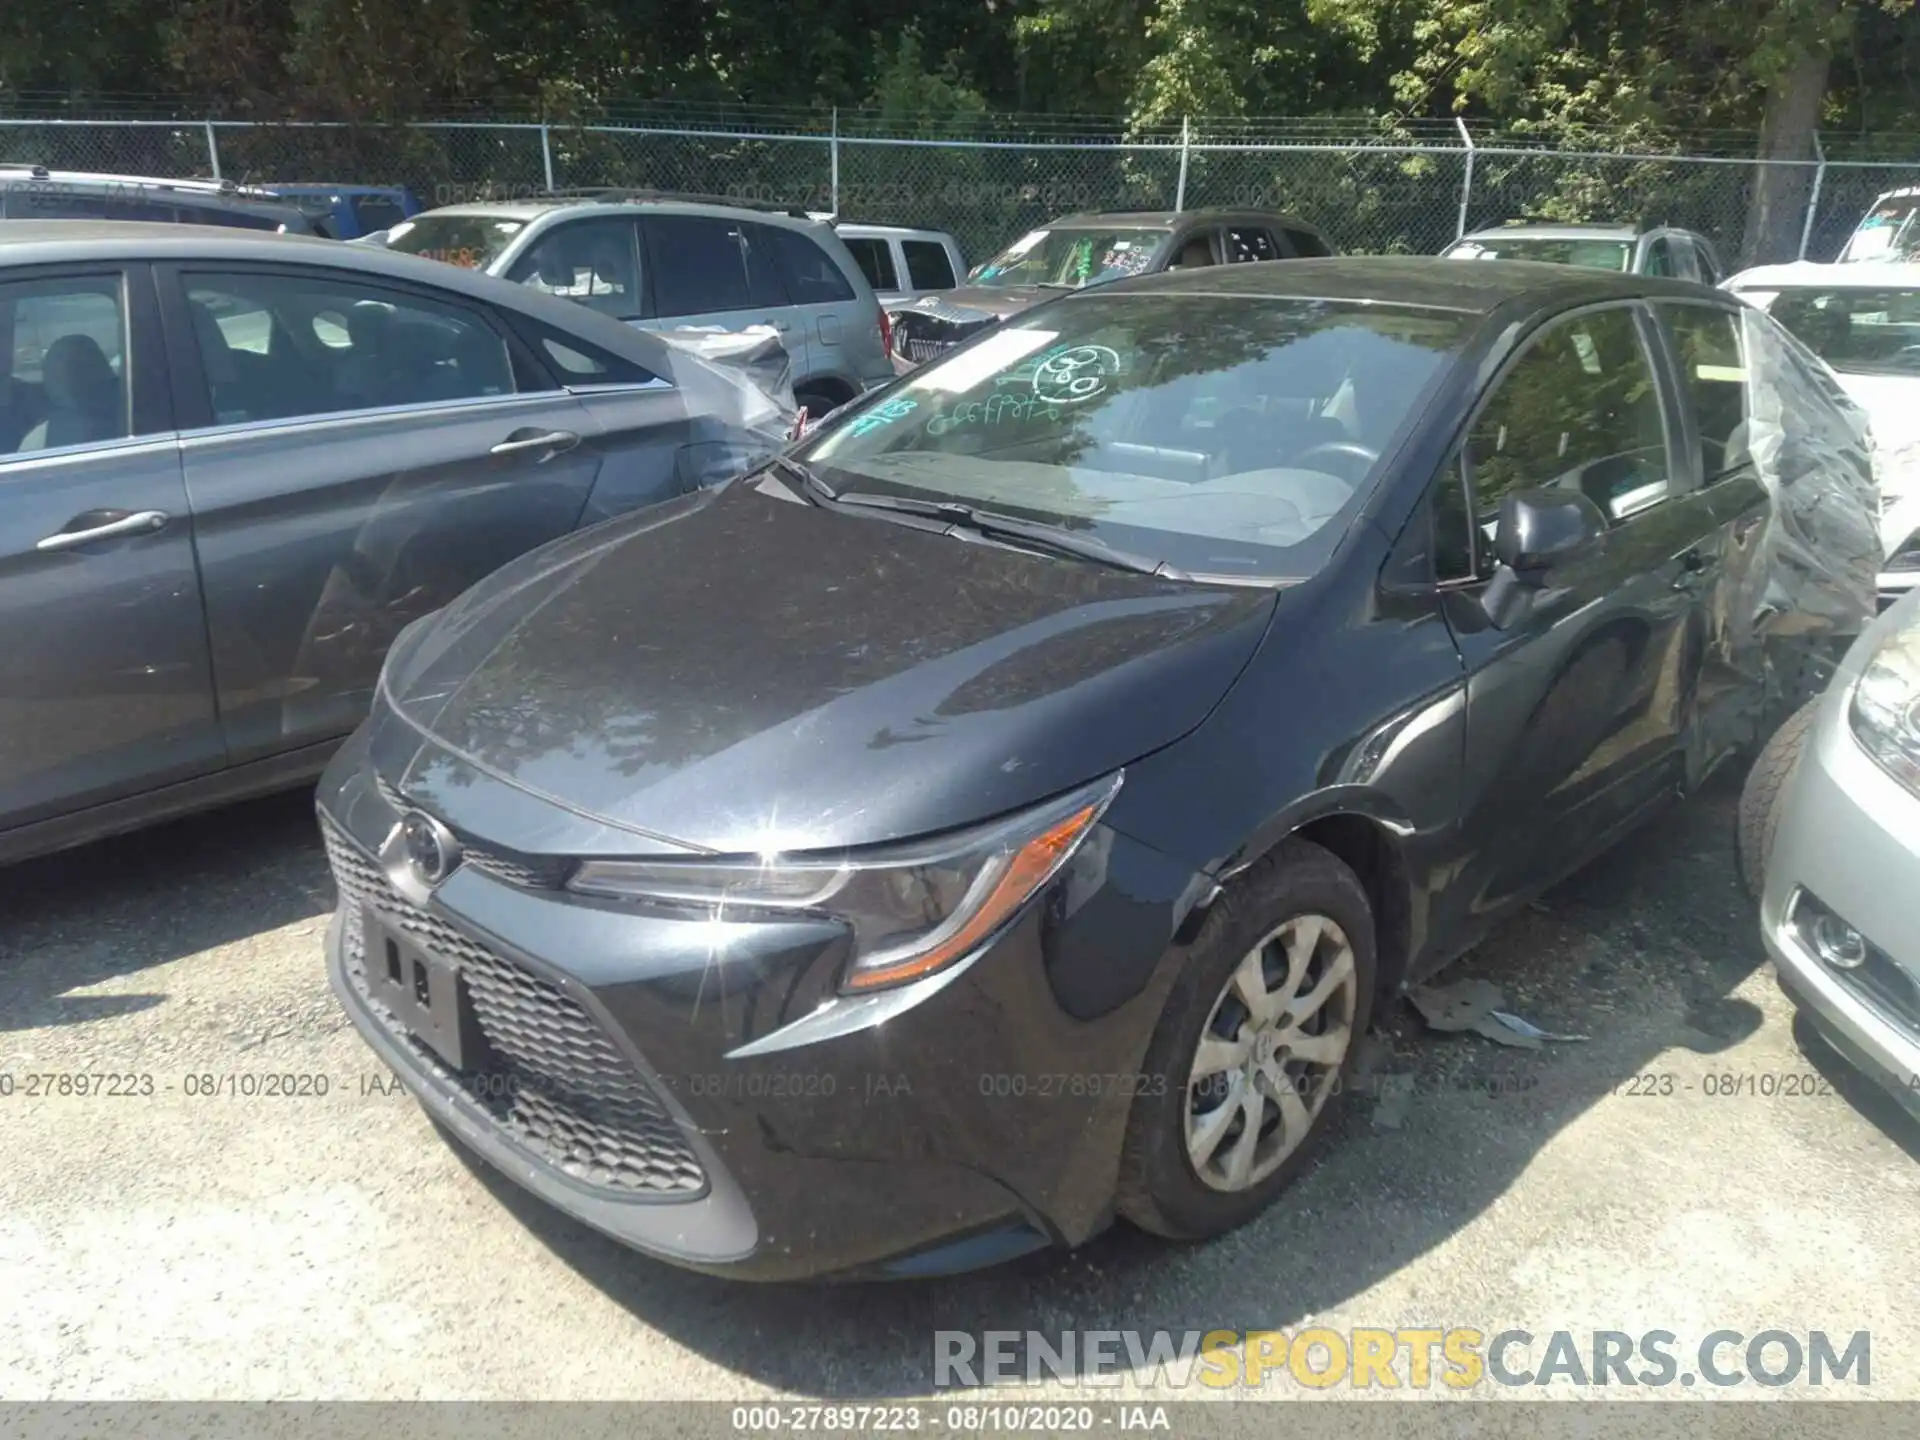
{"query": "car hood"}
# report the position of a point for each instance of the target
(741, 671)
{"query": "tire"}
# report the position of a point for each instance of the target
(1760, 797)
(1161, 1187)
(816, 402)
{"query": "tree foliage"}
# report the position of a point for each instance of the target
(1768, 67)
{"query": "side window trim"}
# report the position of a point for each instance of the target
(192, 390)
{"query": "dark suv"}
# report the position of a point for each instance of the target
(1086, 250)
(33, 192)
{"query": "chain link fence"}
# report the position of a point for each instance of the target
(1369, 194)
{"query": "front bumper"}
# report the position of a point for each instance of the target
(941, 1139)
(1849, 842)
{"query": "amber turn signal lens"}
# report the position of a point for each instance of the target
(1022, 873)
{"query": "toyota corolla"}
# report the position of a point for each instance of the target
(1006, 811)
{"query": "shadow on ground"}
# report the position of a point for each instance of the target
(72, 920)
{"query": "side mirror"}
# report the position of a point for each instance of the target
(1541, 529)
(1538, 530)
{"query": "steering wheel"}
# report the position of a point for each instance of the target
(1358, 458)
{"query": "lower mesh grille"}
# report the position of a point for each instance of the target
(556, 1084)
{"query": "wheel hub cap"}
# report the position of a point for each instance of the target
(1270, 1052)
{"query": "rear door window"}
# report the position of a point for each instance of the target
(1306, 245)
(1250, 242)
(699, 265)
(277, 346)
(806, 271)
(875, 259)
(929, 267)
(1713, 380)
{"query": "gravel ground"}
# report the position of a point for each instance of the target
(336, 1248)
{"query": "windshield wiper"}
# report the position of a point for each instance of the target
(1054, 285)
(813, 487)
(1034, 533)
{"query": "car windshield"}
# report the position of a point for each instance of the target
(1073, 257)
(473, 242)
(1229, 436)
(1593, 254)
(1891, 231)
(1860, 332)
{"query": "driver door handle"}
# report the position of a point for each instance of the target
(522, 442)
(106, 525)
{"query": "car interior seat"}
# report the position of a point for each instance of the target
(1194, 254)
(84, 397)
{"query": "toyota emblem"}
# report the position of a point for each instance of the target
(430, 848)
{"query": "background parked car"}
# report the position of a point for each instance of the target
(352, 211)
(1889, 231)
(1658, 250)
(1083, 250)
(1863, 321)
(33, 192)
(1830, 825)
(902, 263)
(1151, 689)
(237, 466)
(656, 261)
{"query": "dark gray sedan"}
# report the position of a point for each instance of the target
(236, 466)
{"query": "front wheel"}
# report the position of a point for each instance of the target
(1761, 797)
(1254, 1045)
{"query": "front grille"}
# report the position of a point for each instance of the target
(921, 351)
(530, 872)
(557, 1086)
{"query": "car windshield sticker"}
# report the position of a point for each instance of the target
(1082, 261)
(882, 416)
(1589, 356)
(1075, 375)
(1125, 259)
(999, 409)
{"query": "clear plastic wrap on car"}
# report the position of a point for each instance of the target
(1818, 552)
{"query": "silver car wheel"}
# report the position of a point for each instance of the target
(1270, 1052)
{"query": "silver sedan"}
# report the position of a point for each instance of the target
(1834, 805)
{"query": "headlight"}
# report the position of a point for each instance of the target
(913, 909)
(1886, 706)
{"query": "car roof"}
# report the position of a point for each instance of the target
(1425, 280)
(534, 207)
(1169, 219)
(1596, 231)
(318, 187)
(1855, 275)
(865, 227)
(197, 185)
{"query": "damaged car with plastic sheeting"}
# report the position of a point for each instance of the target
(1006, 810)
